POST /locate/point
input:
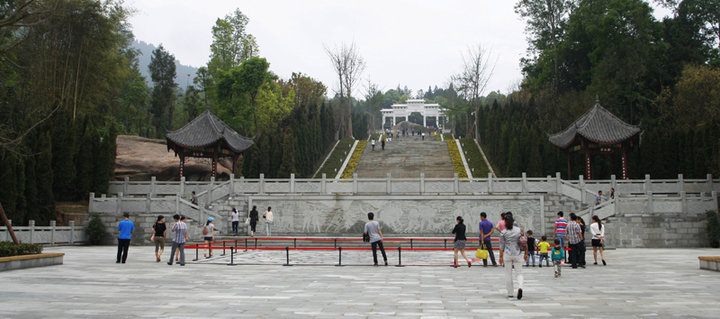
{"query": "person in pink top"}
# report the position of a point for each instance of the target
(500, 226)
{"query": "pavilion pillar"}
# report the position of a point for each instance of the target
(424, 121)
(383, 123)
(393, 120)
(182, 165)
(214, 162)
(624, 164)
(588, 166)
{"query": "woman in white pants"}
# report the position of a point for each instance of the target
(511, 255)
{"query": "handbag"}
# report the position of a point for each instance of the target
(366, 237)
(247, 221)
(481, 252)
(522, 241)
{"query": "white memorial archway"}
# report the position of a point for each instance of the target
(413, 106)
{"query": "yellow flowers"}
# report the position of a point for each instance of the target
(456, 159)
(354, 160)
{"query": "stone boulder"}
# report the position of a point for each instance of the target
(141, 158)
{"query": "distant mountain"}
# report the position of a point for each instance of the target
(181, 70)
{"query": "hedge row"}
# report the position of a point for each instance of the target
(456, 159)
(8, 249)
(354, 160)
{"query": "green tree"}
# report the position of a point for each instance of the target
(162, 73)
(232, 44)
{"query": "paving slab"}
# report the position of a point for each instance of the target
(637, 283)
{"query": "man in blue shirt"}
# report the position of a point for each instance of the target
(126, 229)
(486, 229)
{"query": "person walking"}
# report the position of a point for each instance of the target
(372, 143)
(158, 237)
(511, 255)
(268, 216)
(558, 255)
(235, 219)
(574, 237)
(460, 240)
(372, 229)
(253, 220)
(126, 228)
(179, 239)
(598, 239)
(382, 143)
(583, 246)
(486, 230)
(560, 227)
(193, 198)
(598, 198)
(209, 234)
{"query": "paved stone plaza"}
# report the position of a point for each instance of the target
(637, 283)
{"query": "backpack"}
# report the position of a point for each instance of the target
(523, 241)
(205, 230)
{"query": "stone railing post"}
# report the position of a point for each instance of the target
(210, 191)
(119, 204)
(558, 182)
(613, 181)
(681, 183)
(292, 183)
(456, 184)
(650, 204)
(709, 183)
(648, 184)
(490, 183)
(581, 181)
(683, 202)
(242, 185)
(177, 203)
(148, 204)
(714, 199)
(231, 186)
(388, 184)
(422, 183)
(524, 183)
(31, 223)
(355, 183)
(91, 202)
(182, 186)
(261, 184)
(72, 232)
(52, 232)
(126, 184)
(323, 184)
(7, 232)
(152, 186)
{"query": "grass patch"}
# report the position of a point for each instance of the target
(333, 164)
(474, 158)
(354, 160)
(457, 162)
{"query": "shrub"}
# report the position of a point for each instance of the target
(457, 161)
(354, 160)
(95, 230)
(334, 162)
(8, 249)
(713, 228)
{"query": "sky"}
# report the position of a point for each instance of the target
(408, 43)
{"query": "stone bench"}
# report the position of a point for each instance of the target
(709, 262)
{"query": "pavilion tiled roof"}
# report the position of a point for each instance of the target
(206, 130)
(597, 125)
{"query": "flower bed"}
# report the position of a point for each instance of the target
(354, 160)
(334, 162)
(456, 159)
(474, 158)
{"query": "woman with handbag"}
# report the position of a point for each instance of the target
(253, 220)
(598, 239)
(511, 255)
(460, 240)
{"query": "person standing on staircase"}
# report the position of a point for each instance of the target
(253, 220)
(235, 219)
(268, 216)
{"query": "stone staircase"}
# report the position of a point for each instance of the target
(407, 157)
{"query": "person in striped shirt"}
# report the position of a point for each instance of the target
(181, 236)
(560, 227)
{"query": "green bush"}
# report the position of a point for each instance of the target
(8, 249)
(95, 230)
(713, 229)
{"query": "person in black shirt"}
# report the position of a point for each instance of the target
(253, 220)
(460, 239)
(158, 236)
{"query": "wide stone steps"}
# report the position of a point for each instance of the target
(406, 157)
